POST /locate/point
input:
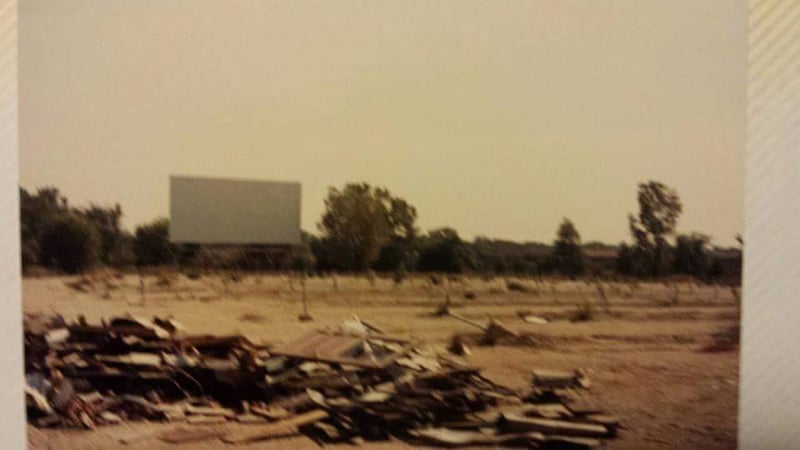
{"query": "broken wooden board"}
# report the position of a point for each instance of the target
(270, 413)
(250, 418)
(38, 400)
(209, 411)
(141, 323)
(205, 420)
(210, 343)
(545, 410)
(183, 435)
(545, 378)
(286, 427)
(608, 421)
(457, 438)
(132, 359)
(109, 417)
(419, 362)
(56, 336)
(330, 432)
(335, 348)
(374, 397)
(542, 410)
(519, 423)
(304, 400)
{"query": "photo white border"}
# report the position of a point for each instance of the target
(12, 397)
(770, 371)
(769, 382)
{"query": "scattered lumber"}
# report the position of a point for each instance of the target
(346, 385)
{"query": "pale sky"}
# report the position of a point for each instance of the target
(497, 118)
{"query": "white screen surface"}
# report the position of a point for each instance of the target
(229, 211)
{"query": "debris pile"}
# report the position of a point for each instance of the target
(349, 384)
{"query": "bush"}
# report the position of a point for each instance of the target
(151, 244)
(122, 255)
(70, 244)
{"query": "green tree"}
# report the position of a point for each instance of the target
(359, 220)
(38, 212)
(659, 209)
(151, 244)
(70, 243)
(107, 222)
(301, 257)
(566, 256)
(625, 261)
(442, 250)
(692, 255)
(122, 255)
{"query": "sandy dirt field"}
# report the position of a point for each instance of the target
(644, 356)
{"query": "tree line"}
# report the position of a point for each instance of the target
(367, 228)
(57, 236)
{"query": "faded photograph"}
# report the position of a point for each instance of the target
(461, 224)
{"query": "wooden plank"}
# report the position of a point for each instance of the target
(250, 418)
(456, 438)
(545, 410)
(286, 427)
(182, 435)
(132, 359)
(209, 411)
(606, 420)
(205, 420)
(109, 417)
(542, 410)
(543, 378)
(339, 349)
(271, 413)
(521, 423)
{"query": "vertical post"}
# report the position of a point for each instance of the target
(305, 298)
(305, 316)
(141, 287)
(446, 293)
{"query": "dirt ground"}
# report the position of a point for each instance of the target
(643, 352)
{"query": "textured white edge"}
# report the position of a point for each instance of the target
(12, 400)
(770, 371)
(769, 400)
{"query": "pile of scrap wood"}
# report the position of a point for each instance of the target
(348, 384)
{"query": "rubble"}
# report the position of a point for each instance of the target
(350, 384)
